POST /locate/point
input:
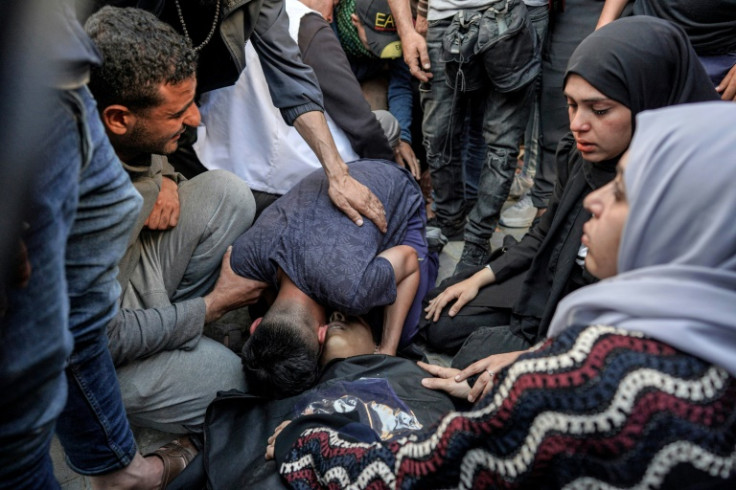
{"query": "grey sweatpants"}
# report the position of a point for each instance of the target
(170, 390)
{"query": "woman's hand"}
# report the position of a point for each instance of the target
(727, 87)
(272, 440)
(444, 380)
(463, 292)
(488, 367)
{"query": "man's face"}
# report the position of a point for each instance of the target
(158, 129)
(346, 337)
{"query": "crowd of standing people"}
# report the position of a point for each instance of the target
(170, 161)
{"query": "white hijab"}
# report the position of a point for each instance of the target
(677, 258)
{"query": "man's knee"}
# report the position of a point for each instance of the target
(227, 188)
(191, 379)
(220, 197)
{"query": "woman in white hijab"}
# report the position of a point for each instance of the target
(635, 388)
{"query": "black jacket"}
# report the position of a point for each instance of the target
(532, 276)
(238, 425)
(549, 251)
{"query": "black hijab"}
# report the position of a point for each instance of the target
(643, 63)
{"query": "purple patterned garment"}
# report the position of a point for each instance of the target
(327, 256)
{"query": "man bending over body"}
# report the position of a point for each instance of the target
(307, 249)
(145, 90)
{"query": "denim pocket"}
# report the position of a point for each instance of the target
(508, 45)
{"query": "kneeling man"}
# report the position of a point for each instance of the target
(170, 274)
(307, 250)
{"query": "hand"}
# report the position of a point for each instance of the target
(463, 292)
(444, 380)
(272, 440)
(416, 57)
(421, 26)
(485, 366)
(231, 291)
(406, 158)
(354, 199)
(727, 87)
(165, 213)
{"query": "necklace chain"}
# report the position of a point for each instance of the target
(212, 29)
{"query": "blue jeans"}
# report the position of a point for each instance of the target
(53, 347)
(504, 118)
(474, 151)
(93, 427)
(473, 144)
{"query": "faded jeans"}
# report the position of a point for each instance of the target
(504, 121)
(81, 210)
(474, 146)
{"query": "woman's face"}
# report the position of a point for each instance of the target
(601, 126)
(602, 232)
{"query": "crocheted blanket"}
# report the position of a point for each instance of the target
(594, 407)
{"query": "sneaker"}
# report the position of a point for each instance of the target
(474, 256)
(453, 232)
(520, 185)
(435, 239)
(520, 215)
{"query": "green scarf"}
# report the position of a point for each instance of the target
(347, 31)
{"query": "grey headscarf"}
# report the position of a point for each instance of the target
(677, 258)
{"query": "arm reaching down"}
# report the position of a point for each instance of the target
(611, 11)
(405, 263)
(350, 196)
(231, 291)
(413, 44)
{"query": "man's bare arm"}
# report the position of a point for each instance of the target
(405, 263)
(350, 196)
(165, 213)
(413, 44)
(611, 11)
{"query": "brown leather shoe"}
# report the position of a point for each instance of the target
(176, 455)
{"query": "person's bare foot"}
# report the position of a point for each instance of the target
(141, 474)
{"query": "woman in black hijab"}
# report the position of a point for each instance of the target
(631, 65)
